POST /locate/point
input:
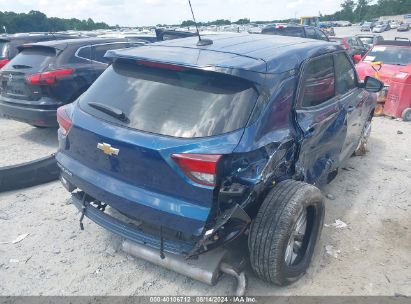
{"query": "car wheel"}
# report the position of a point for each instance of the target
(406, 114)
(361, 149)
(285, 231)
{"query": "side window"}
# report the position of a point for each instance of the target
(321, 35)
(344, 74)
(318, 81)
(310, 32)
(100, 51)
(84, 52)
(359, 42)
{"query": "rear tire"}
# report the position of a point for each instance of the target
(406, 114)
(280, 251)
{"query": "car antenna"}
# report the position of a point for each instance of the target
(201, 42)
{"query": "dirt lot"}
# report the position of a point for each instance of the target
(16, 139)
(371, 256)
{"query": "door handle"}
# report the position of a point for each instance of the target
(350, 109)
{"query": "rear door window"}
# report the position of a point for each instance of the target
(100, 50)
(310, 32)
(318, 82)
(176, 103)
(84, 52)
(344, 74)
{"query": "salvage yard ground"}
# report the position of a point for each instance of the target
(365, 248)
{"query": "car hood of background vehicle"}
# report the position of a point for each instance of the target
(385, 74)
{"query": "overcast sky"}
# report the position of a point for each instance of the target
(151, 12)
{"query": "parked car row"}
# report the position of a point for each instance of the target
(382, 26)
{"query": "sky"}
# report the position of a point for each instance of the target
(152, 12)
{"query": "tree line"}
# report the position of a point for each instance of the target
(353, 11)
(363, 10)
(188, 23)
(36, 21)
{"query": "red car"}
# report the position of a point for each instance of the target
(384, 61)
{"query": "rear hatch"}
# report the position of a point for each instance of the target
(150, 112)
(31, 60)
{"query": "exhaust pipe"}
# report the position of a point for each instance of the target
(207, 268)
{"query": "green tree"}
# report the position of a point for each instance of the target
(242, 21)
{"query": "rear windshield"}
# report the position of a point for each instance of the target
(38, 58)
(3, 49)
(285, 31)
(184, 103)
(390, 55)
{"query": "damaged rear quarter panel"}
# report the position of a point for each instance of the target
(266, 152)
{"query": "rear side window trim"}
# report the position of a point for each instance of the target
(76, 54)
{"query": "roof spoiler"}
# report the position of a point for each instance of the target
(57, 49)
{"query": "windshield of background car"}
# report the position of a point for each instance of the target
(390, 55)
(285, 31)
(180, 103)
(3, 49)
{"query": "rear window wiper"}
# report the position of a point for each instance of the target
(22, 66)
(109, 110)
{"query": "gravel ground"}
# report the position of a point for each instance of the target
(16, 139)
(371, 256)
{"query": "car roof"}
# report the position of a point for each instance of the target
(62, 44)
(251, 52)
(395, 43)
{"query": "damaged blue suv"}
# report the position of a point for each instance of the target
(194, 145)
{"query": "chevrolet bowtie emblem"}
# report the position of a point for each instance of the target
(107, 149)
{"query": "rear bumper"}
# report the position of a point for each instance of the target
(135, 202)
(128, 231)
(28, 114)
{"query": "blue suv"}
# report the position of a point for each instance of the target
(201, 144)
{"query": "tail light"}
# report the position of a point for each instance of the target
(64, 118)
(48, 78)
(3, 62)
(200, 168)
